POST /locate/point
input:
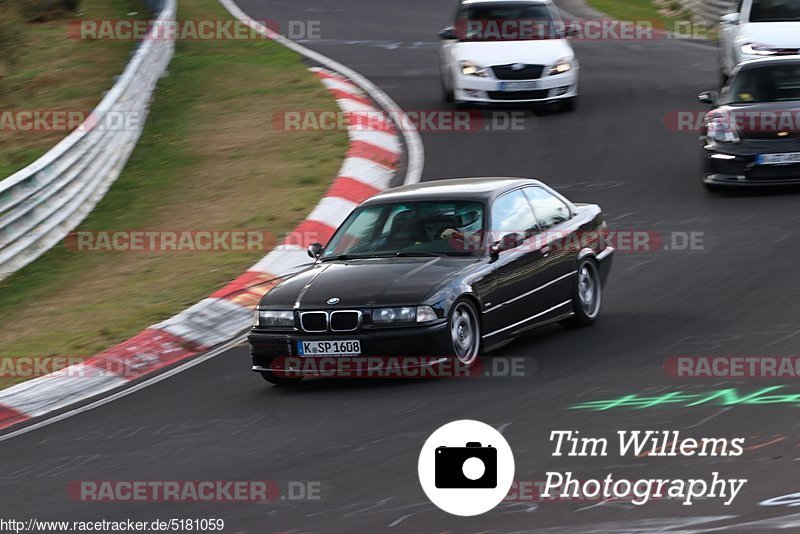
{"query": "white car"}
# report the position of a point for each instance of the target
(759, 29)
(508, 51)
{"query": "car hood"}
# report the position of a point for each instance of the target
(774, 34)
(365, 283)
(535, 52)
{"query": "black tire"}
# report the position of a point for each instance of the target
(569, 104)
(464, 332)
(281, 379)
(587, 295)
(447, 94)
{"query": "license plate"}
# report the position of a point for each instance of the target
(519, 86)
(348, 347)
(787, 158)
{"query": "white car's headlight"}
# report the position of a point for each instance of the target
(279, 318)
(755, 49)
(720, 128)
(468, 68)
(404, 314)
(560, 67)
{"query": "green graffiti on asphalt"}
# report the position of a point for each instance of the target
(720, 397)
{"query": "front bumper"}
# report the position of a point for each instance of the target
(486, 90)
(735, 165)
(427, 341)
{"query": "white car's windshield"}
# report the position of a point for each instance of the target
(409, 229)
(775, 11)
(770, 83)
(514, 21)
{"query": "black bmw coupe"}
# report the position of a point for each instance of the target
(447, 269)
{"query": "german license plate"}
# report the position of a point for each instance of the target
(348, 347)
(529, 85)
(787, 158)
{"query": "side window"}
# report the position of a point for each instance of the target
(512, 213)
(739, 6)
(550, 210)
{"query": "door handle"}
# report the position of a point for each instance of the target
(545, 251)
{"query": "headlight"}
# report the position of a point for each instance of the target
(560, 67)
(720, 129)
(468, 68)
(755, 49)
(405, 314)
(274, 318)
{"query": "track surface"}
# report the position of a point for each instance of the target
(361, 439)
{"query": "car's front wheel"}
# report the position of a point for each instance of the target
(465, 332)
(587, 297)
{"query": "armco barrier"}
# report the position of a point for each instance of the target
(42, 203)
(710, 10)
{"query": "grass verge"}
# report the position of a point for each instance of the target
(208, 159)
(53, 72)
(670, 15)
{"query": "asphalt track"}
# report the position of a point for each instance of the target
(361, 439)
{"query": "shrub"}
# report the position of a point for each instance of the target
(44, 10)
(11, 36)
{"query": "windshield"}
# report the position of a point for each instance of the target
(436, 228)
(775, 11)
(507, 22)
(770, 83)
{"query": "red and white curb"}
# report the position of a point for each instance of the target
(369, 166)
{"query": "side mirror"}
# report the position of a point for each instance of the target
(314, 250)
(507, 242)
(708, 97)
(447, 34)
(730, 18)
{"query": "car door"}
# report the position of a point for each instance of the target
(558, 240)
(518, 271)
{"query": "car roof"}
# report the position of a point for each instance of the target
(479, 188)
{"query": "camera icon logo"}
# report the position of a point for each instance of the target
(472, 466)
(466, 468)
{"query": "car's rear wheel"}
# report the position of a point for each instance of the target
(465, 332)
(587, 297)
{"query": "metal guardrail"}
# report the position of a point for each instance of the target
(710, 10)
(42, 203)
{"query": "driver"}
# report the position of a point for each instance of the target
(466, 230)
